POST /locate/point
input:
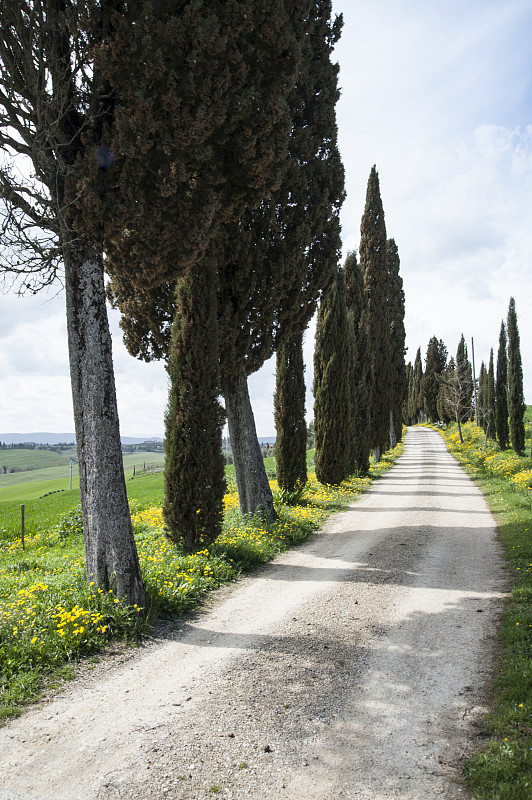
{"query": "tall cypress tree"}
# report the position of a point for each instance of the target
(357, 313)
(435, 363)
(409, 377)
(445, 376)
(289, 407)
(282, 255)
(516, 398)
(490, 398)
(396, 311)
(194, 473)
(501, 392)
(415, 396)
(464, 375)
(481, 397)
(374, 265)
(332, 387)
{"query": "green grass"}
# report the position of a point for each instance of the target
(502, 770)
(35, 483)
(50, 618)
(22, 458)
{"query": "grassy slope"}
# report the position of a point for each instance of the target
(31, 459)
(33, 484)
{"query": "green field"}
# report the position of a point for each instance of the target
(35, 483)
(22, 458)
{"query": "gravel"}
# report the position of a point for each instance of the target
(355, 666)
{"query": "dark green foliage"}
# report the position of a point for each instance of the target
(481, 396)
(435, 363)
(277, 259)
(464, 377)
(516, 398)
(333, 413)
(445, 413)
(360, 364)
(409, 372)
(489, 399)
(373, 262)
(277, 240)
(415, 397)
(194, 466)
(501, 392)
(290, 425)
(396, 311)
(201, 132)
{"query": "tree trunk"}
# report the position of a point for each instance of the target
(459, 428)
(376, 454)
(254, 493)
(393, 437)
(110, 550)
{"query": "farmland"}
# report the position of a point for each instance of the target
(46, 471)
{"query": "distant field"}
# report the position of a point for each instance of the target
(32, 490)
(30, 485)
(31, 459)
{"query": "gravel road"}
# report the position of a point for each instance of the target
(355, 667)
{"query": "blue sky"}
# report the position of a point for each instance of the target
(439, 97)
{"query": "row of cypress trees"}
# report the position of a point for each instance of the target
(359, 368)
(445, 390)
(241, 229)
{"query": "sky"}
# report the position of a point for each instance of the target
(439, 97)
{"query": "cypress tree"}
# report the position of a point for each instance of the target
(481, 397)
(374, 265)
(409, 377)
(516, 398)
(464, 376)
(415, 397)
(490, 398)
(275, 263)
(435, 363)
(360, 365)
(501, 392)
(396, 311)
(289, 407)
(275, 254)
(443, 408)
(194, 470)
(332, 387)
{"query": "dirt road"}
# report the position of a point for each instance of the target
(353, 667)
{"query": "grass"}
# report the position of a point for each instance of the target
(502, 770)
(35, 483)
(49, 617)
(24, 459)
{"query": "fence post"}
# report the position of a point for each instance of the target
(22, 524)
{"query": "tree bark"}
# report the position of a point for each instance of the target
(254, 493)
(111, 554)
